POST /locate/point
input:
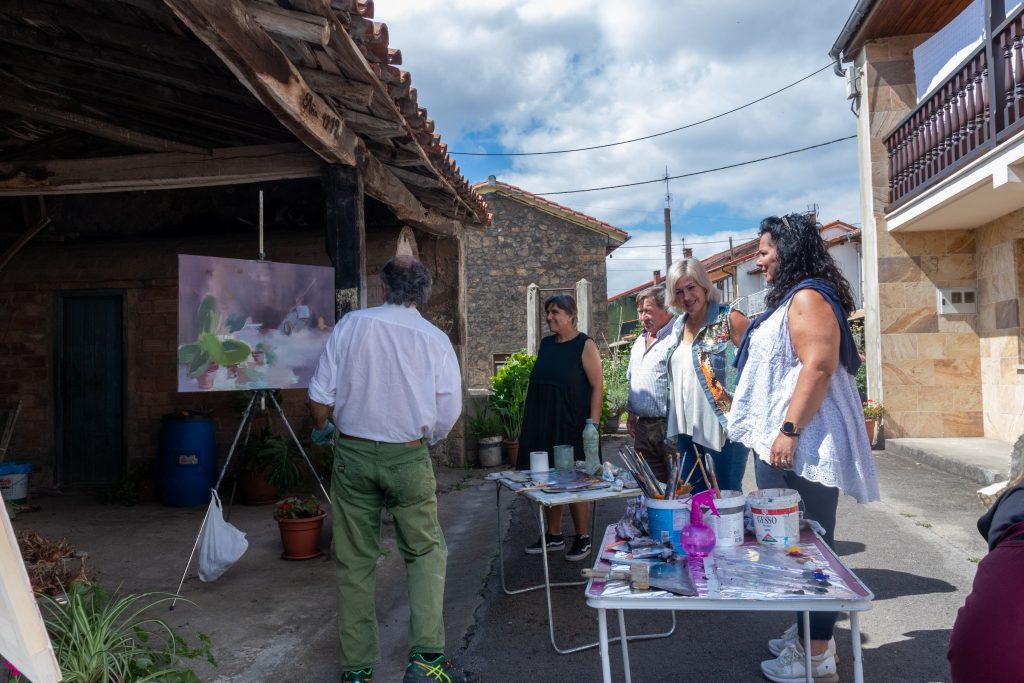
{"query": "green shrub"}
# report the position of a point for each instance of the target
(100, 638)
(508, 392)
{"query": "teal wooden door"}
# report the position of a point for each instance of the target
(90, 389)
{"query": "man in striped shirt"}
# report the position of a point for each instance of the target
(648, 381)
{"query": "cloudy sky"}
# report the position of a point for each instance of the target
(542, 75)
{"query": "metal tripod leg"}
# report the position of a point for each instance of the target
(316, 476)
(231, 453)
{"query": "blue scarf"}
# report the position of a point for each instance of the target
(848, 355)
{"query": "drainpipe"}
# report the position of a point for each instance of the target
(853, 23)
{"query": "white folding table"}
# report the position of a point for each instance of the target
(616, 595)
(521, 481)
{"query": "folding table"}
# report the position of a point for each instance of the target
(521, 481)
(854, 597)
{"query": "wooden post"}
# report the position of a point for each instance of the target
(344, 225)
(532, 318)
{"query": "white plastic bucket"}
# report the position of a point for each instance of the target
(728, 526)
(776, 515)
(14, 481)
(668, 516)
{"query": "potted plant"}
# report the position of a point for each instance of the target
(299, 519)
(873, 412)
(101, 637)
(616, 392)
(486, 428)
(508, 398)
(268, 468)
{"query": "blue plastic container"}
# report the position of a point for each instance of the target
(668, 516)
(188, 460)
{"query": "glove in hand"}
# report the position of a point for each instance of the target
(322, 437)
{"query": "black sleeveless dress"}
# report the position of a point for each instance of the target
(557, 401)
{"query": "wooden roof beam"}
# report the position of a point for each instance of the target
(170, 170)
(227, 29)
(66, 115)
(289, 23)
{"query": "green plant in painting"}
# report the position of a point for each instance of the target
(208, 346)
(508, 392)
(99, 638)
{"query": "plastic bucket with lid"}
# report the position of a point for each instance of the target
(14, 481)
(776, 515)
(728, 526)
(668, 516)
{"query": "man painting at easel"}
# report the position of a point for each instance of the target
(392, 382)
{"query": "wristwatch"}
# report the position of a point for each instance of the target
(789, 429)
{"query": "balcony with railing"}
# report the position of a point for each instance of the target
(971, 114)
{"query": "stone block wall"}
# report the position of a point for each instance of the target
(925, 368)
(1000, 288)
(524, 246)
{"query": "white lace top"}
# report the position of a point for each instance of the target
(833, 448)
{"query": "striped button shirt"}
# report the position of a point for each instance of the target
(648, 375)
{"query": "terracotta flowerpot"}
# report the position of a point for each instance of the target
(511, 451)
(869, 425)
(255, 490)
(301, 537)
(205, 380)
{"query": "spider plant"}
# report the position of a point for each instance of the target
(99, 638)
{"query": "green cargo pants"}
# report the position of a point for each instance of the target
(367, 476)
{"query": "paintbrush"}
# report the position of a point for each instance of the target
(648, 471)
(714, 477)
(631, 466)
(650, 489)
(700, 464)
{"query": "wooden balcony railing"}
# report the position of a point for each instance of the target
(976, 108)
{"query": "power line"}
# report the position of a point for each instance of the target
(695, 173)
(688, 244)
(646, 137)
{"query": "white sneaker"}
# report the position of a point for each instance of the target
(789, 666)
(790, 637)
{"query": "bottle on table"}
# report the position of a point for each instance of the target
(591, 446)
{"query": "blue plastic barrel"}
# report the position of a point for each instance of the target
(188, 459)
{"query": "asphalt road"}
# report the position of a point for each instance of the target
(917, 550)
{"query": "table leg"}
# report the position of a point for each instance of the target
(625, 644)
(858, 665)
(602, 634)
(807, 647)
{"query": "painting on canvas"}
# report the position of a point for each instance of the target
(250, 324)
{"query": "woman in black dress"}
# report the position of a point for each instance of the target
(565, 390)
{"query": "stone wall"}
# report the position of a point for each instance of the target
(1000, 289)
(925, 368)
(524, 246)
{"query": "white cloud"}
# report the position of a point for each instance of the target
(543, 74)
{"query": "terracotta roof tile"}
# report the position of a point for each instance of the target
(488, 186)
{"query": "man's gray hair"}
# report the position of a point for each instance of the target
(656, 292)
(406, 281)
(689, 267)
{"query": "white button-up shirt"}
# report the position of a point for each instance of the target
(390, 376)
(648, 374)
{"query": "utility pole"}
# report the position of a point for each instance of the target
(668, 225)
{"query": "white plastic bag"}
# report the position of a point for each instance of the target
(221, 545)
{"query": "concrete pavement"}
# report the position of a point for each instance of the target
(271, 620)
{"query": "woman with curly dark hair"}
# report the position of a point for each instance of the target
(796, 405)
